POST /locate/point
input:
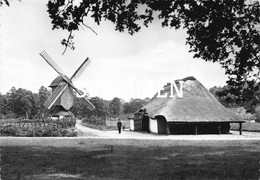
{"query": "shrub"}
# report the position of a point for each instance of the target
(52, 132)
(68, 133)
(23, 132)
(49, 131)
(96, 120)
(64, 132)
(9, 130)
(39, 131)
(257, 113)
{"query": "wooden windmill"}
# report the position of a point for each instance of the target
(62, 97)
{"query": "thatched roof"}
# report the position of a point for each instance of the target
(56, 81)
(196, 105)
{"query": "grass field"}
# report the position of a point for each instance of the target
(247, 126)
(133, 159)
(110, 125)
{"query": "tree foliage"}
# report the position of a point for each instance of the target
(3, 104)
(219, 31)
(134, 105)
(41, 97)
(115, 106)
(223, 31)
(81, 109)
(6, 2)
(226, 96)
(21, 103)
(230, 97)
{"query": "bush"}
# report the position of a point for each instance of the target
(257, 113)
(9, 130)
(52, 132)
(68, 133)
(49, 131)
(39, 131)
(23, 132)
(95, 120)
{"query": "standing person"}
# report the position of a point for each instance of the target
(119, 125)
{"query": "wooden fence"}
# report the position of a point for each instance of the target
(19, 122)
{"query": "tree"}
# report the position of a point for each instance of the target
(229, 97)
(21, 102)
(101, 107)
(82, 109)
(226, 96)
(41, 97)
(3, 105)
(79, 109)
(4, 2)
(220, 31)
(134, 105)
(115, 106)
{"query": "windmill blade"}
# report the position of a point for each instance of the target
(81, 69)
(89, 103)
(76, 89)
(51, 62)
(77, 73)
(55, 95)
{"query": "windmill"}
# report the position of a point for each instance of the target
(62, 97)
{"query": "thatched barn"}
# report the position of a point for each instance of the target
(196, 112)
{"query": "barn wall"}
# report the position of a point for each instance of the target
(153, 125)
(145, 123)
(132, 127)
(135, 125)
(162, 124)
(181, 128)
(158, 125)
(202, 128)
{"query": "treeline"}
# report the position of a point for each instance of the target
(25, 104)
(106, 108)
(231, 96)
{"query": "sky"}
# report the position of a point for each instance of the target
(123, 65)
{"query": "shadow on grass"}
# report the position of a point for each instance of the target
(129, 162)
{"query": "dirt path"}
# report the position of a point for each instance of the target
(93, 137)
(89, 132)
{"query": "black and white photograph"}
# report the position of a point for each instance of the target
(129, 89)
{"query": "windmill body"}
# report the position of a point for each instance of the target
(62, 98)
(66, 99)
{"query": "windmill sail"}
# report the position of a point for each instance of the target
(51, 62)
(55, 95)
(81, 69)
(68, 81)
(89, 102)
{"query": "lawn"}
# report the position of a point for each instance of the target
(247, 126)
(133, 159)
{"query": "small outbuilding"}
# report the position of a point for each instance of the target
(135, 122)
(196, 111)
